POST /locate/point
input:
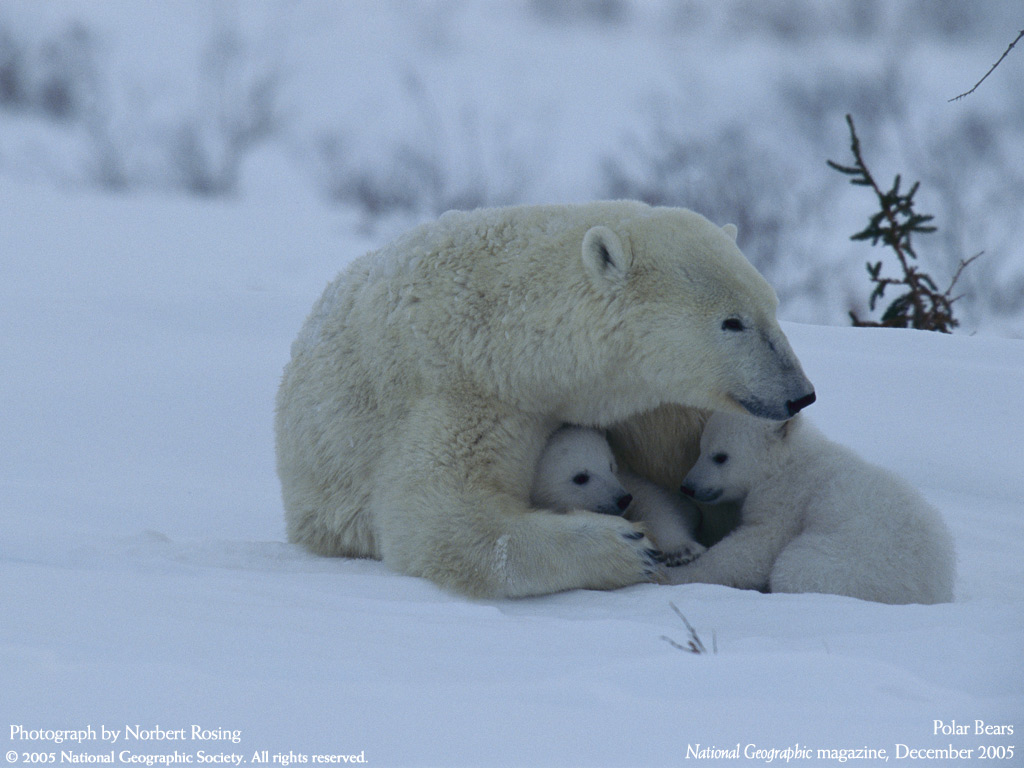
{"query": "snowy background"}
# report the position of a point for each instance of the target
(179, 180)
(397, 111)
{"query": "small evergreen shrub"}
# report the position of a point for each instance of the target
(921, 305)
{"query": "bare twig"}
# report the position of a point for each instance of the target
(1008, 49)
(956, 276)
(695, 645)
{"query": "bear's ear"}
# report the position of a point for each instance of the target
(731, 231)
(603, 255)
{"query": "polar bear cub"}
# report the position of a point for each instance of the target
(815, 518)
(577, 470)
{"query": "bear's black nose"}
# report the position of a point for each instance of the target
(624, 502)
(795, 406)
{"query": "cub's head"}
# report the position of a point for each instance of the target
(577, 470)
(701, 318)
(736, 453)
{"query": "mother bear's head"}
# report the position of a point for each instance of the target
(698, 320)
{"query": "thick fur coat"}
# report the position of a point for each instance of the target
(815, 518)
(425, 382)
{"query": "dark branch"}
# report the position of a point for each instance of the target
(1008, 49)
(921, 306)
(694, 645)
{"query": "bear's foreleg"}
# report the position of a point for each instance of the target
(451, 506)
(743, 559)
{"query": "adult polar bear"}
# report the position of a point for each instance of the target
(426, 380)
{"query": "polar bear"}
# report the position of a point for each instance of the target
(428, 376)
(577, 470)
(815, 518)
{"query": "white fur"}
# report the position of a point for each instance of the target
(577, 470)
(815, 518)
(428, 376)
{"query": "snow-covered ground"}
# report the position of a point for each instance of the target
(146, 581)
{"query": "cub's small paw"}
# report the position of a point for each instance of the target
(684, 555)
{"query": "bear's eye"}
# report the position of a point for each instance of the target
(732, 324)
(581, 479)
(720, 458)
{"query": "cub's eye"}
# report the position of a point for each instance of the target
(581, 479)
(720, 458)
(732, 324)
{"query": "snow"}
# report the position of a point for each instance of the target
(147, 581)
(144, 574)
(428, 105)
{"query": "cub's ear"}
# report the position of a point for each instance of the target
(603, 255)
(731, 231)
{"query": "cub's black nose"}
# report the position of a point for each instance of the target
(795, 406)
(623, 502)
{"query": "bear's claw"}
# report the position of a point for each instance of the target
(656, 555)
(652, 559)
